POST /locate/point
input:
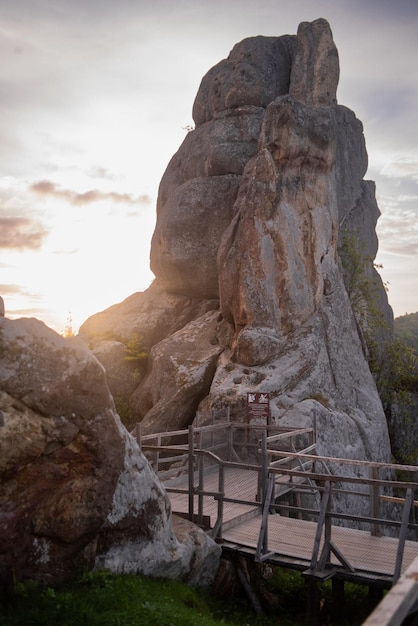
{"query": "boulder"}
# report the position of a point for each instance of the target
(75, 489)
(180, 374)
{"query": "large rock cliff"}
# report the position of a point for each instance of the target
(249, 292)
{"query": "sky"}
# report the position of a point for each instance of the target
(95, 98)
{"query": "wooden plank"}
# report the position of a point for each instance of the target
(395, 606)
(239, 484)
(396, 500)
(295, 538)
(290, 540)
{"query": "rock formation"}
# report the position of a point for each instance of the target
(249, 292)
(75, 490)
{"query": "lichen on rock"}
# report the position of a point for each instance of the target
(75, 487)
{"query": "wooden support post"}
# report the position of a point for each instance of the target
(312, 603)
(337, 600)
(249, 591)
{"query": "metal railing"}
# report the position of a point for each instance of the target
(292, 479)
(386, 504)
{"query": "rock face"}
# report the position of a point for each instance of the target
(75, 490)
(251, 213)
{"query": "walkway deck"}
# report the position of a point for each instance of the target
(291, 541)
(255, 508)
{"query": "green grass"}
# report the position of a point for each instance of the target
(106, 599)
(111, 600)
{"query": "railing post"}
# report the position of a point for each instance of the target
(157, 455)
(406, 514)
(230, 443)
(138, 433)
(320, 524)
(221, 489)
(201, 461)
(264, 467)
(262, 544)
(191, 472)
(374, 501)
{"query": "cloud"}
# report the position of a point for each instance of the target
(401, 169)
(47, 188)
(398, 232)
(21, 233)
(6, 290)
(101, 172)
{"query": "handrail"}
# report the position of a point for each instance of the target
(306, 472)
(342, 478)
(344, 461)
(289, 433)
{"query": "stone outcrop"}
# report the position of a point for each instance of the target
(251, 214)
(75, 490)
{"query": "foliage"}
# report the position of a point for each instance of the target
(406, 330)
(68, 331)
(134, 350)
(396, 372)
(392, 362)
(106, 599)
(103, 598)
(291, 589)
(125, 412)
(125, 372)
(362, 286)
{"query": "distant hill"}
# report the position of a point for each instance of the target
(406, 329)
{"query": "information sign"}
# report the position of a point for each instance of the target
(258, 405)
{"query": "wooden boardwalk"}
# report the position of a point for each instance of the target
(291, 541)
(239, 485)
(242, 504)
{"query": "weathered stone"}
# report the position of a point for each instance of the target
(185, 242)
(221, 147)
(139, 535)
(315, 66)
(74, 486)
(270, 259)
(255, 73)
(149, 316)
(286, 324)
(181, 372)
(403, 427)
(351, 161)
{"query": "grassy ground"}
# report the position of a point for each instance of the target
(109, 600)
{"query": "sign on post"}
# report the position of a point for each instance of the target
(258, 406)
